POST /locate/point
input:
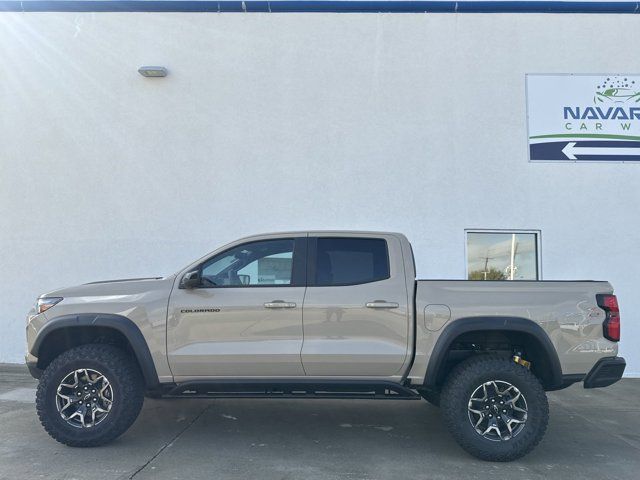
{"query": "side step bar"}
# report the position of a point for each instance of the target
(274, 388)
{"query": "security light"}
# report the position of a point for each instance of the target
(153, 71)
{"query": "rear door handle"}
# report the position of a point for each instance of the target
(280, 304)
(381, 304)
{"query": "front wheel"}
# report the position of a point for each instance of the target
(495, 409)
(89, 395)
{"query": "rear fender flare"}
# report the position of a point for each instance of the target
(476, 324)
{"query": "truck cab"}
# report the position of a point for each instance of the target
(311, 304)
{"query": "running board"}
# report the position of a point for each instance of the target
(274, 388)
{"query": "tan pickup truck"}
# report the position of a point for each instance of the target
(321, 315)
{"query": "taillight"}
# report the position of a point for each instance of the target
(611, 324)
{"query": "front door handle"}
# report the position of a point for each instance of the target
(381, 304)
(280, 304)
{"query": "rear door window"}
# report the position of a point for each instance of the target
(350, 261)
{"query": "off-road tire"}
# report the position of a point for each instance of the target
(128, 394)
(457, 391)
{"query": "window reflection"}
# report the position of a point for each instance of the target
(502, 256)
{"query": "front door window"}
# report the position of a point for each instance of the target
(268, 262)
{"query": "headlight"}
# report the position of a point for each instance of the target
(44, 304)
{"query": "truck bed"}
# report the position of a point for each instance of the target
(566, 310)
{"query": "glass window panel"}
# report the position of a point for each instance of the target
(267, 262)
(350, 261)
(502, 256)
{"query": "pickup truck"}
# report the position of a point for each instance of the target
(321, 315)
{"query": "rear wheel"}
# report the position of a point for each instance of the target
(89, 395)
(495, 409)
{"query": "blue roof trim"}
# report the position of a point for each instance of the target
(335, 6)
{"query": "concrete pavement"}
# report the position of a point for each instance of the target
(592, 434)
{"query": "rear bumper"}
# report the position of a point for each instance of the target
(606, 372)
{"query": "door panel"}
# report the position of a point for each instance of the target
(245, 318)
(230, 332)
(344, 337)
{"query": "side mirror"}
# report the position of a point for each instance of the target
(191, 279)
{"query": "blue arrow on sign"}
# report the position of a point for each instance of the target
(586, 150)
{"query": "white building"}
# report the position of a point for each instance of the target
(274, 120)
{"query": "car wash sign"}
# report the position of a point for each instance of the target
(573, 118)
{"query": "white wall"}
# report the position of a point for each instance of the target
(407, 122)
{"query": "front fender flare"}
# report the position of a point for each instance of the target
(120, 323)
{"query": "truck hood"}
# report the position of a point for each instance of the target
(128, 286)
